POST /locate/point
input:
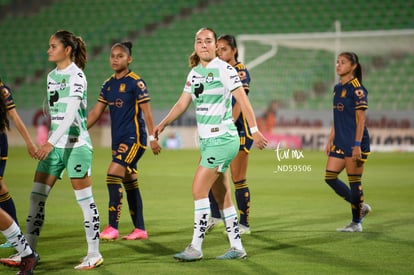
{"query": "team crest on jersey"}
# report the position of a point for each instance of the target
(63, 84)
(343, 93)
(122, 88)
(210, 78)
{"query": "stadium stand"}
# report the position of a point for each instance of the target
(163, 31)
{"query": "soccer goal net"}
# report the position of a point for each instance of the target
(299, 68)
(297, 71)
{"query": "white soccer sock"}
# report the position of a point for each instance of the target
(15, 236)
(232, 227)
(36, 216)
(85, 200)
(201, 214)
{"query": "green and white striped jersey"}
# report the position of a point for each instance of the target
(62, 85)
(210, 88)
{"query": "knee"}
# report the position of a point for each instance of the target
(330, 177)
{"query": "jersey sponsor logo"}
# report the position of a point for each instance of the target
(56, 86)
(78, 168)
(57, 118)
(54, 97)
(359, 93)
(340, 107)
(141, 85)
(119, 103)
(79, 88)
(123, 148)
(211, 160)
(236, 78)
(5, 92)
(143, 95)
(242, 75)
(198, 87)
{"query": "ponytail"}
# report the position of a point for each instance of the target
(193, 60)
(80, 53)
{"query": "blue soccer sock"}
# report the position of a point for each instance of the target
(114, 185)
(135, 203)
(242, 194)
(340, 188)
(7, 204)
(357, 197)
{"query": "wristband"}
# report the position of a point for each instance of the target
(151, 138)
(254, 129)
(357, 143)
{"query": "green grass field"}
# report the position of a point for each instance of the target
(293, 218)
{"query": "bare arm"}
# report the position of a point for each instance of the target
(31, 147)
(360, 118)
(178, 109)
(247, 110)
(95, 113)
(236, 111)
(329, 143)
(149, 121)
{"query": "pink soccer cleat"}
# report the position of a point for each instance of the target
(109, 233)
(136, 234)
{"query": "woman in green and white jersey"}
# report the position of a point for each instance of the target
(69, 145)
(210, 85)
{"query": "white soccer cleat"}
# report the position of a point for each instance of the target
(90, 261)
(352, 227)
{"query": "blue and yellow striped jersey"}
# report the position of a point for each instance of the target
(348, 98)
(124, 96)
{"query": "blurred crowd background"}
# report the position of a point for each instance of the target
(291, 89)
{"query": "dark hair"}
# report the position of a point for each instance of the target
(78, 53)
(4, 120)
(194, 59)
(232, 42)
(127, 46)
(353, 58)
